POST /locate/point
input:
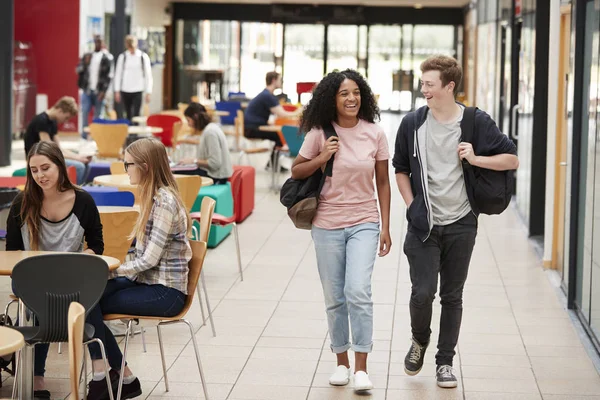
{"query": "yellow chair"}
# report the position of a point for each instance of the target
(109, 138)
(189, 186)
(195, 268)
(117, 168)
(116, 228)
(76, 321)
(239, 134)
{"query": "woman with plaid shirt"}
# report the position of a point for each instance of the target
(154, 283)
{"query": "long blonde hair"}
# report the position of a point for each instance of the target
(33, 195)
(150, 156)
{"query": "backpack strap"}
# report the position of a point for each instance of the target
(329, 132)
(467, 127)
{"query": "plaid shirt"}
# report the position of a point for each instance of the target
(163, 256)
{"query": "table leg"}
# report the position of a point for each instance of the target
(26, 361)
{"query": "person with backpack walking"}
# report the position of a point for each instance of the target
(437, 171)
(133, 78)
(346, 229)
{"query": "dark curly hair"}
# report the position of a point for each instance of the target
(322, 110)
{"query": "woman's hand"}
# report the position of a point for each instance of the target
(385, 243)
(330, 147)
(187, 161)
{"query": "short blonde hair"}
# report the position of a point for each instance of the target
(67, 105)
(450, 69)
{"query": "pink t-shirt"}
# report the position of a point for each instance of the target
(348, 196)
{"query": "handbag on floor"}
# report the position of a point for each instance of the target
(301, 196)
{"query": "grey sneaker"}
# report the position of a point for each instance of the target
(413, 362)
(445, 377)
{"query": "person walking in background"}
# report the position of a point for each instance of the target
(442, 221)
(260, 109)
(133, 78)
(213, 159)
(44, 127)
(346, 229)
(95, 72)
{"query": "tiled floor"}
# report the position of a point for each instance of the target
(517, 341)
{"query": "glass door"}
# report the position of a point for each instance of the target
(261, 49)
(303, 59)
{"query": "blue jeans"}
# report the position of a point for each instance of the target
(89, 99)
(123, 296)
(82, 170)
(345, 258)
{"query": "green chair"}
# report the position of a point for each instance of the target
(222, 195)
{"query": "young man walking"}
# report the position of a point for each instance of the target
(442, 216)
(95, 72)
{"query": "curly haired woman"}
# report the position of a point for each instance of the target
(346, 229)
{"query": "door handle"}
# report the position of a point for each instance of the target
(513, 128)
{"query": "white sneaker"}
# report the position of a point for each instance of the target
(362, 381)
(340, 377)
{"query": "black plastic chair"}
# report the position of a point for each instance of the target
(47, 284)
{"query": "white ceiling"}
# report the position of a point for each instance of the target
(388, 3)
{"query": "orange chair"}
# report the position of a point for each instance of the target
(165, 122)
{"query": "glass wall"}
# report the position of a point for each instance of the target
(388, 55)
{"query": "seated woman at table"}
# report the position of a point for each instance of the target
(213, 159)
(54, 215)
(154, 283)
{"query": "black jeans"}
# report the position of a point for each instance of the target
(255, 133)
(123, 296)
(446, 252)
(132, 102)
(202, 172)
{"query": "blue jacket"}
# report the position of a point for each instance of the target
(410, 157)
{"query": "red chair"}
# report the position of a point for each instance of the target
(72, 173)
(243, 200)
(221, 220)
(165, 122)
(12, 181)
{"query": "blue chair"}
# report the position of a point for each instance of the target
(118, 198)
(111, 121)
(293, 139)
(231, 107)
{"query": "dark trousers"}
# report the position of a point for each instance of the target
(446, 252)
(132, 102)
(201, 172)
(255, 133)
(123, 296)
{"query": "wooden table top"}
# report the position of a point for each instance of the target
(121, 181)
(270, 128)
(10, 340)
(8, 259)
(114, 209)
(137, 130)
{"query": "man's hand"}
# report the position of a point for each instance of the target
(385, 243)
(85, 160)
(118, 97)
(465, 152)
(148, 97)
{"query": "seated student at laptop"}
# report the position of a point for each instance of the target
(54, 215)
(213, 159)
(44, 127)
(155, 282)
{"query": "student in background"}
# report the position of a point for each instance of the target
(260, 109)
(51, 214)
(213, 159)
(44, 127)
(133, 78)
(154, 283)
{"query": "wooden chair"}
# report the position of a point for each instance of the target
(195, 269)
(189, 186)
(207, 210)
(117, 168)
(116, 227)
(76, 318)
(109, 139)
(239, 135)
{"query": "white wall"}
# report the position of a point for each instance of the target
(553, 63)
(149, 13)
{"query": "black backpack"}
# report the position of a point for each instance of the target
(301, 196)
(491, 190)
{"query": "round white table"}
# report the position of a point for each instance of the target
(10, 340)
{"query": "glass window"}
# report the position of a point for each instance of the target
(260, 43)
(342, 47)
(303, 59)
(384, 62)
